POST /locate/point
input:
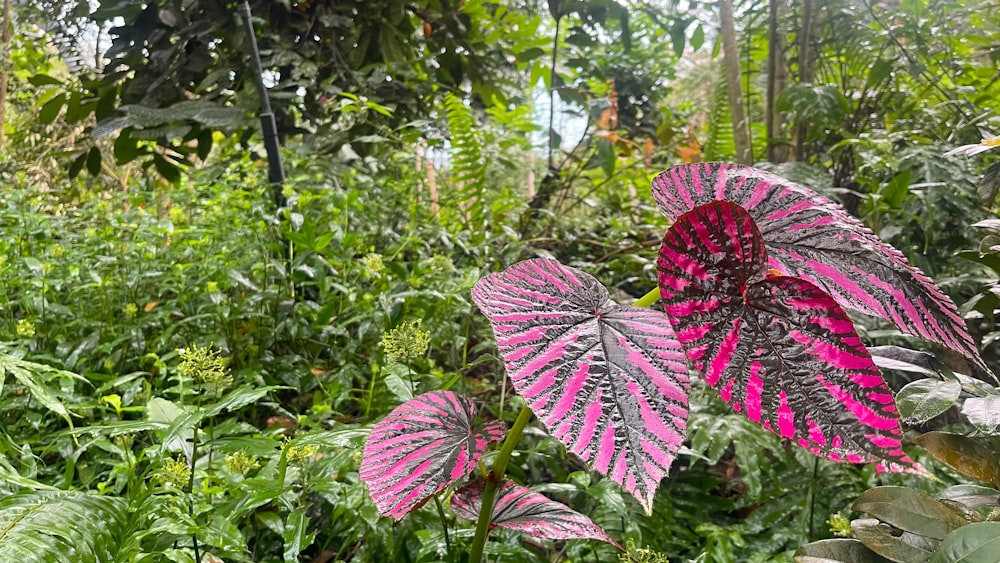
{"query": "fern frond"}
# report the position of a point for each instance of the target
(63, 526)
(468, 164)
(721, 144)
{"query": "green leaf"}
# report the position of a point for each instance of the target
(922, 400)
(678, 36)
(606, 156)
(167, 169)
(296, 536)
(64, 526)
(897, 189)
(239, 398)
(51, 108)
(974, 543)
(965, 455)
(902, 548)
(108, 127)
(698, 37)
(909, 510)
(983, 413)
(94, 163)
(34, 377)
(989, 185)
(837, 551)
(77, 165)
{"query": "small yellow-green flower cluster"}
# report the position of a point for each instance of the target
(241, 463)
(301, 454)
(440, 264)
(205, 365)
(131, 309)
(373, 264)
(635, 554)
(840, 525)
(173, 473)
(406, 341)
(25, 328)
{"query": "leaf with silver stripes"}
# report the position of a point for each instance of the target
(523, 510)
(776, 348)
(814, 238)
(421, 447)
(609, 381)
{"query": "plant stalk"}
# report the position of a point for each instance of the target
(493, 480)
(649, 298)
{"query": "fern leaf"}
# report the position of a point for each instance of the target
(468, 165)
(62, 526)
(721, 144)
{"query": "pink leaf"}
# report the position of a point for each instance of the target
(518, 508)
(609, 381)
(776, 348)
(813, 238)
(423, 446)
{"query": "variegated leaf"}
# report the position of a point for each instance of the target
(609, 381)
(811, 237)
(421, 447)
(520, 509)
(776, 348)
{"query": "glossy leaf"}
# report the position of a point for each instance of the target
(609, 381)
(909, 510)
(519, 508)
(974, 543)
(423, 446)
(837, 551)
(776, 348)
(901, 548)
(983, 413)
(965, 455)
(810, 236)
(971, 496)
(922, 400)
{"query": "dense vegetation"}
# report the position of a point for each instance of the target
(192, 358)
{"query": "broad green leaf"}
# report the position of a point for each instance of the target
(922, 400)
(974, 543)
(238, 398)
(901, 548)
(837, 551)
(296, 535)
(965, 455)
(34, 377)
(909, 510)
(162, 410)
(983, 413)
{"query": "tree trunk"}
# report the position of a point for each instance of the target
(806, 73)
(731, 60)
(777, 76)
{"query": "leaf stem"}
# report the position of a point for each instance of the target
(649, 298)
(493, 480)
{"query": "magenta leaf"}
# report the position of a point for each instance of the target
(421, 447)
(520, 509)
(609, 381)
(811, 237)
(776, 348)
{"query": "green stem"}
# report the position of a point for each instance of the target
(493, 480)
(649, 298)
(444, 525)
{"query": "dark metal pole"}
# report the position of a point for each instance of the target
(275, 171)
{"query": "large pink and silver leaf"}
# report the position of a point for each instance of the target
(609, 381)
(776, 348)
(814, 238)
(421, 447)
(521, 509)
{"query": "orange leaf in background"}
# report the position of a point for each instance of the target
(690, 152)
(317, 371)
(150, 306)
(611, 136)
(647, 152)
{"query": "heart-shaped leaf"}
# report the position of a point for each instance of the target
(423, 446)
(519, 508)
(777, 348)
(609, 381)
(810, 236)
